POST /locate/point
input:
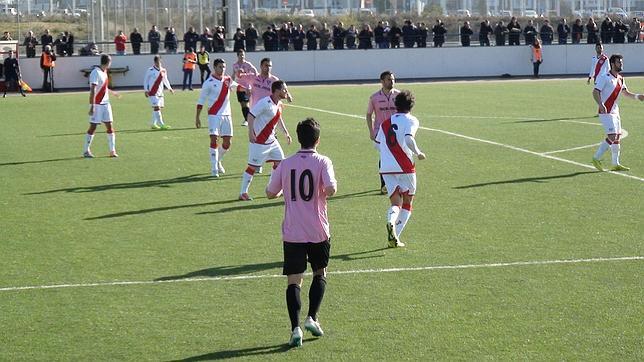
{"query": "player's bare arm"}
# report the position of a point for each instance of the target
(598, 99)
(92, 90)
(114, 93)
(330, 190)
(370, 126)
(197, 120)
(635, 96)
(283, 127)
(251, 128)
(411, 143)
(270, 195)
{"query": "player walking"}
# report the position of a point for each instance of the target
(242, 66)
(398, 146)
(307, 179)
(607, 89)
(263, 118)
(215, 94)
(156, 78)
(599, 65)
(100, 110)
(381, 104)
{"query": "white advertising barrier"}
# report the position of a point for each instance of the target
(343, 65)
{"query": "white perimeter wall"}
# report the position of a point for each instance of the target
(343, 65)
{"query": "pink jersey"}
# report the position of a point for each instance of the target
(600, 66)
(395, 155)
(267, 115)
(101, 93)
(260, 86)
(303, 178)
(240, 70)
(215, 93)
(383, 106)
(610, 87)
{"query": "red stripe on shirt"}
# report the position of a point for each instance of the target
(613, 96)
(155, 87)
(101, 93)
(404, 162)
(222, 97)
(268, 129)
(599, 64)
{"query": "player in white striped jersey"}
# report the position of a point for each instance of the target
(215, 95)
(155, 80)
(397, 144)
(100, 110)
(263, 118)
(607, 89)
(600, 63)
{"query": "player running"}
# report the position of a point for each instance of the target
(215, 94)
(600, 64)
(607, 89)
(307, 179)
(263, 118)
(155, 80)
(100, 110)
(242, 66)
(398, 146)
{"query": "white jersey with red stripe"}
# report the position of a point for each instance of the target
(600, 65)
(610, 87)
(267, 115)
(155, 81)
(395, 155)
(98, 77)
(215, 94)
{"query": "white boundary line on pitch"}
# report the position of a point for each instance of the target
(624, 135)
(339, 272)
(540, 154)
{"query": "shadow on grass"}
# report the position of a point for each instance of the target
(539, 179)
(552, 119)
(123, 131)
(229, 270)
(158, 209)
(245, 352)
(41, 161)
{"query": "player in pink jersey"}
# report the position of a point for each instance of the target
(607, 89)
(381, 104)
(306, 180)
(100, 110)
(215, 94)
(156, 78)
(263, 118)
(397, 144)
(600, 63)
(241, 66)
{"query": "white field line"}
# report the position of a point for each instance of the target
(339, 272)
(540, 154)
(624, 135)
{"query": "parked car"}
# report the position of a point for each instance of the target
(463, 13)
(365, 12)
(505, 13)
(306, 12)
(338, 12)
(530, 14)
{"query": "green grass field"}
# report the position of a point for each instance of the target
(513, 252)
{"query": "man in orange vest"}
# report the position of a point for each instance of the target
(189, 64)
(47, 64)
(537, 56)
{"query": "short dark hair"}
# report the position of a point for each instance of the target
(264, 60)
(405, 101)
(105, 59)
(157, 58)
(217, 62)
(385, 73)
(308, 132)
(240, 51)
(278, 84)
(614, 57)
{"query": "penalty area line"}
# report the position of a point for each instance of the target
(338, 272)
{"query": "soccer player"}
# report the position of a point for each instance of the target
(156, 78)
(607, 89)
(100, 110)
(600, 63)
(242, 66)
(397, 144)
(381, 104)
(306, 179)
(264, 147)
(215, 93)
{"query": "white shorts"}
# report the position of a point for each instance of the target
(403, 182)
(611, 122)
(102, 114)
(220, 125)
(258, 154)
(156, 101)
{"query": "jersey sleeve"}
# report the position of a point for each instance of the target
(624, 84)
(592, 68)
(258, 109)
(93, 77)
(275, 182)
(412, 127)
(205, 91)
(370, 107)
(601, 82)
(328, 174)
(146, 80)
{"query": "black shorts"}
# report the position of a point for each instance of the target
(242, 97)
(297, 254)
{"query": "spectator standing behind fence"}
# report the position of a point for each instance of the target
(364, 37)
(298, 37)
(325, 37)
(351, 37)
(189, 63)
(338, 36)
(577, 31)
(529, 32)
(47, 64)
(154, 38)
(379, 35)
(70, 43)
(251, 38)
(312, 36)
(219, 40)
(634, 30)
(562, 31)
(12, 74)
(205, 40)
(203, 61)
(547, 32)
(395, 33)
(46, 39)
(190, 39)
(466, 34)
(136, 39)
(606, 31)
(408, 34)
(119, 40)
(6, 36)
(61, 45)
(500, 31)
(485, 30)
(536, 56)
(439, 33)
(591, 29)
(514, 31)
(422, 32)
(619, 34)
(284, 35)
(30, 44)
(239, 40)
(267, 38)
(170, 41)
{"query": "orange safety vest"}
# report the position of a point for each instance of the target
(189, 60)
(536, 55)
(47, 62)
